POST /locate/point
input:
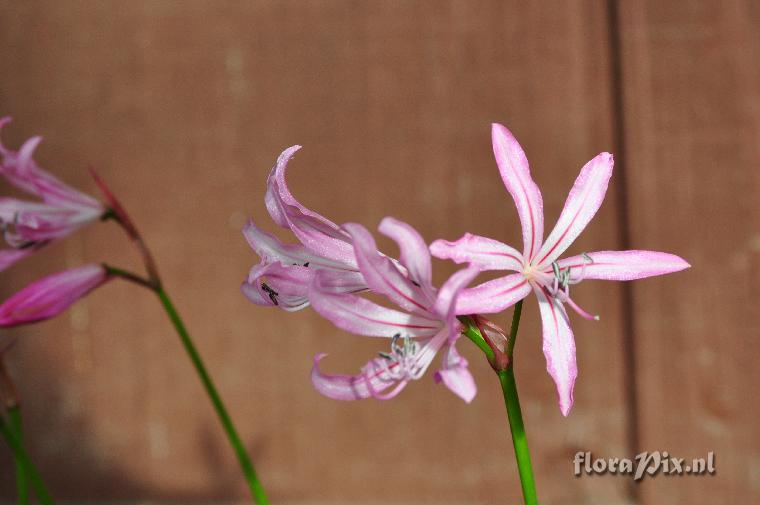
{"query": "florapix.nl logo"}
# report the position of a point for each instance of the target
(643, 464)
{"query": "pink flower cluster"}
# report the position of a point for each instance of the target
(331, 267)
(28, 226)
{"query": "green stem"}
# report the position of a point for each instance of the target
(516, 426)
(503, 364)
(22, 458)
(519, 440)
(245, 461)
(513, 330)
(22, 484)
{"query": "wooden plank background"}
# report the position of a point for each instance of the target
(183, 107)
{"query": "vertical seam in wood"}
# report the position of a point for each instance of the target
(624, 238)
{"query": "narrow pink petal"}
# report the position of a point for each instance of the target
(445, 304)
(341, 281)
(622, 265)
(482, 252)
(320, 235)
(414, 251)
(270, 249)
(383, 276)
(10, 256)
(273, 198)
(51, 295)
(378, 375)
(582, 203)
(363, 317)
(21, 170)
(515, 172)
(456, 376)
(347, 387)
(28, 222)
(4, 121)
(559, 347)
(493, 296)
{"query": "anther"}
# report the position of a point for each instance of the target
(271, 292)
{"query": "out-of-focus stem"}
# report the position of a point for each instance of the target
(153, 282)
(20, 455)
(9, 402)
(22, 484)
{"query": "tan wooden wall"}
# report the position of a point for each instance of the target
(183, 107)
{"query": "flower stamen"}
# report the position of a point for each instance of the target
(401, 362)
(560, 287)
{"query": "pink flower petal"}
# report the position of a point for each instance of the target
(363, 317)
(446, 302)
(271, 249)
(272, 198)
(493, 296)
(382, 276)
(515, 173)
(482, 252)
(10, 256)
(376, 375)
(22, 171)
(347, 387)
(27, 222)
(582, 203)
(414, 251)
(622, 265)
(456, 376)
(51, 295)
(559, 347)
(320, 235)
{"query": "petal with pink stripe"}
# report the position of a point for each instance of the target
(582, 203)
(515, 172)
(364, 317)
(481, 252)
(493, 296)
(622, 265)
(559, 347)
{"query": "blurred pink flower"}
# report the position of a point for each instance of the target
(27, 226)
(426, 324)
(49, 296)
(283, 276)
(538, 268)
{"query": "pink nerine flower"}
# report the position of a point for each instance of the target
(27, 226)
(538, 268)
(426, 324)
(283, 276)
(51, 295)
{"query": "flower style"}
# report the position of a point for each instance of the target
(426, 324)
(27, 226)
(49, 296)
(283, 276)
(538, 267)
